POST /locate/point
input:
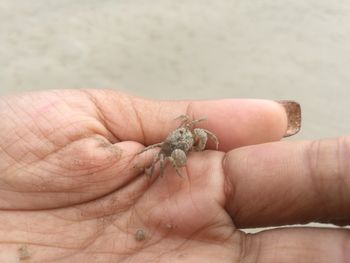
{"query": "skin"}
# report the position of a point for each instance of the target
(73, 189)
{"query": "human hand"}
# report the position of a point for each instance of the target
(72, 188)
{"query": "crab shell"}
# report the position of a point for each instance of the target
(181, 138)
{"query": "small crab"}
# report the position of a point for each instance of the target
(179, 142)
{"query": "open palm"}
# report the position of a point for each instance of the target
(73, 189)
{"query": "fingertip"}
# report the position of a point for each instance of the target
(240, 122)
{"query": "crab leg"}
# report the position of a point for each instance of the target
(161, 164)
(186, 120)
(149, 171)
(151, 147)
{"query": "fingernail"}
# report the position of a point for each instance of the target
(293, 112)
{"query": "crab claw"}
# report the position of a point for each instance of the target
(201, 138)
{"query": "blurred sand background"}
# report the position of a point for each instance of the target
(186, 49)
(172, 49)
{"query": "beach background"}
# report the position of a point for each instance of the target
(186, 49)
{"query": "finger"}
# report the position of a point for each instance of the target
(236, 122)
(289, 182)
(297, 245)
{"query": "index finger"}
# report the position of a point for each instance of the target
(236, 122)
